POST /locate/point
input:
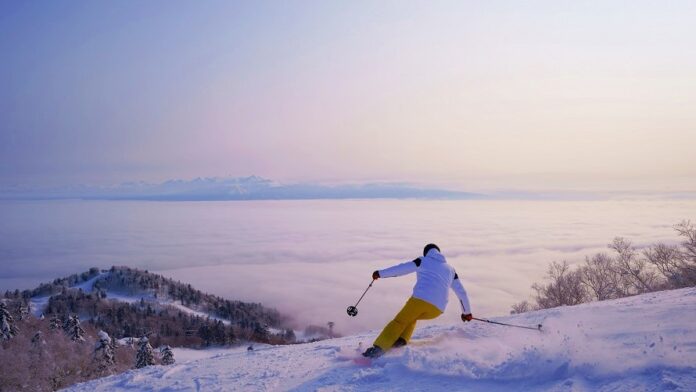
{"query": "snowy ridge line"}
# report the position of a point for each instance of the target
(646, 342)
(38, 304)
(130, 285)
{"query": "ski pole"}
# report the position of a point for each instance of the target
(353, 310)
(538, 327)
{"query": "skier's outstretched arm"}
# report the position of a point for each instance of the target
(461, 294)
(397, 270)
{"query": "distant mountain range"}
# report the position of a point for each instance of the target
(236, 188)
(259, 188)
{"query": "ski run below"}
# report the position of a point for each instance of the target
(641, 343)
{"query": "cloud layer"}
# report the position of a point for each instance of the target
(314, 258)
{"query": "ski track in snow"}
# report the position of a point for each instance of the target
(644, 343)
(37, 305)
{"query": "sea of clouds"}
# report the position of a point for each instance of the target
(311, 259)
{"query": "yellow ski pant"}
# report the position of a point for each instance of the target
(405, 322)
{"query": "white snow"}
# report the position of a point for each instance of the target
(111, 295)
(130, 299)
(37, 305)
(127, 341)
(193, 312)
(645, 343)
(88, 285)
(183, 355)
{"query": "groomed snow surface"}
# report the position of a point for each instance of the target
(642, 343)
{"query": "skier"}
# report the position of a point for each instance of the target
(429, 299)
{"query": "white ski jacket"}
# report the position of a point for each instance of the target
(433, 279)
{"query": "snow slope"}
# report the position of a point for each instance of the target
(642, 343)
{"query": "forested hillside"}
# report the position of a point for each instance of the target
(127, 302)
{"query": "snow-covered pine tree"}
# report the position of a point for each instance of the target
(74, 329)
(55, 322)
(167, 355)
(104, 352)
(289, 335)
(145, 356)
(7, 327)
(22, 312)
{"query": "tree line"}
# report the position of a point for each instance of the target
(622, 272)
(154, 313)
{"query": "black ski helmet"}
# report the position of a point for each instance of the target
(428, 247)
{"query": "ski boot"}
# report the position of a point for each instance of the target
(400, 342)
(373, 352)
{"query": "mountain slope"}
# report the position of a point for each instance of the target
(645, 342)
(127, 302)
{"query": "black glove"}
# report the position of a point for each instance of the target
(375, 275)
(467, 317)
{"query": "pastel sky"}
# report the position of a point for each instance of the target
(473, 95)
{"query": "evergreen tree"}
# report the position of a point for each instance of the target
(74, 329)
(22, 312)
(55, 322)
(218, 333)
(145, 356)
(204, 334)
(104, 352)
(231, 336)
(167, 355)
(289, 335)
(7, 327)
(37, 339)
(37, 349)
(260, 333)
